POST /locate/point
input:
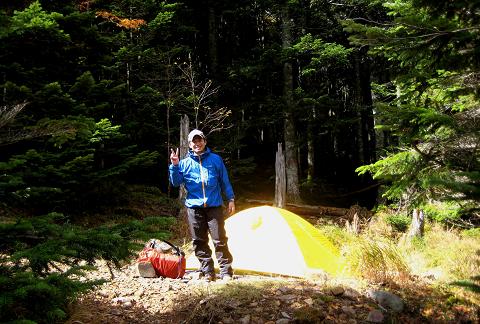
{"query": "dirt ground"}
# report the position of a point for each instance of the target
(128, 298)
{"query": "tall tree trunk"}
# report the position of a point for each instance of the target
(280, 184)
(183, 149)
(293, 187)
(311, 150)
(212, 40)
(357, 104)
(368, 122)
(169, 104)
(363, 104)
(4, 93)
(242, 124)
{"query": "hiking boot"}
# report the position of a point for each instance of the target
(209, 277)
(146, 270)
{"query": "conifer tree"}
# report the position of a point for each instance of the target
(435, 104)
(65, 147)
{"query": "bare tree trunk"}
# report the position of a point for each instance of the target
(242, 124)
(212, 40)
(367, 123)
(128, 76)
(280, 178)
(183, 150)
(169, 105)
(4, 94)
(417, 226)
(310, 156)
(357, 103)
(291, 165)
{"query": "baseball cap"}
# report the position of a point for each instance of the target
(194, 133)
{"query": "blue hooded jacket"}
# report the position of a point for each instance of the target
(205, 178)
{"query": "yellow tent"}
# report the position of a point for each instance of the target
(274, 240)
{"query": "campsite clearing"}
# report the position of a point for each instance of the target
(249, 299)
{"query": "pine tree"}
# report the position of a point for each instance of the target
(435, 108)
(66, 147)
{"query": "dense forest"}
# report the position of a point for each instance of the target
(375, 103)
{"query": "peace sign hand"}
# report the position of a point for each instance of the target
(174, 157)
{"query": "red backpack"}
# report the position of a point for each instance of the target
(169, 265)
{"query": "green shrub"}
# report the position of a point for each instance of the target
(399, 222)
(443, 212)
(472, 232)
(43, 261)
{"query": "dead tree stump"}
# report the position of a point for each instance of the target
(280, 178)
(183, 150)
(353, 227)
(182, 194)
(418, 224)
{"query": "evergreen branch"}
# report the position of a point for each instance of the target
(436, 31)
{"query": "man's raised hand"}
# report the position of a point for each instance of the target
(174, 156)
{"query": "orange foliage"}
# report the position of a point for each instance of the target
(121, 22)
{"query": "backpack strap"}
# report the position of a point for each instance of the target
(175, 248)
(180, 254)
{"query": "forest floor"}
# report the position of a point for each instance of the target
(128, 298)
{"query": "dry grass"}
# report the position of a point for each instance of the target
(380, 253)
(447, 254)
(377, 260)
(446, 260)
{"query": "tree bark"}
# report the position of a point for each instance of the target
(417, 226)
(362, 101)
(212, 40)
(310, 155)
(291, 165)
(354, 226)
(368, 123)
(169, 104)
(183, 150)
(280, 178)
(357, 104)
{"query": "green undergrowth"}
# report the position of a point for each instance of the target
(44, 259)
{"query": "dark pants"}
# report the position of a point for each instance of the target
(202, 221)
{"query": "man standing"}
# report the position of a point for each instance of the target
(205, 177)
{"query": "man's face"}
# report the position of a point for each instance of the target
(198, 144)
